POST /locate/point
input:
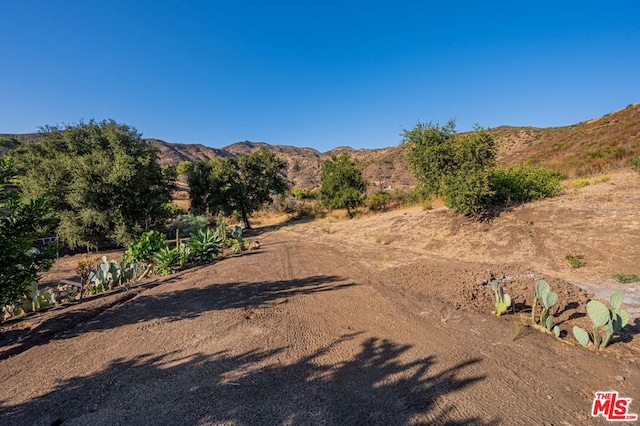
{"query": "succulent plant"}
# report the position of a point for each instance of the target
(205, 245)
(548, 299)
(606, 322)
(503, 300)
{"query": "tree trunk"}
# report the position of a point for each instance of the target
(245, 218)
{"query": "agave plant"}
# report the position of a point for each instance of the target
(166, 260)
(205, 245)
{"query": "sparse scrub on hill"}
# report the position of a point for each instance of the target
(379, 201)
(301, 204)
(575, 260)
(626, 278)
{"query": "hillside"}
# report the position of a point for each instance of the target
(593, 146)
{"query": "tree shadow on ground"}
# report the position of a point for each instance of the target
(171, 306)
(381, 384)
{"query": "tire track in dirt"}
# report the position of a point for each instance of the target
(518, 384)
(301, 333)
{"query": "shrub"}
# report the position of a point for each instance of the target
(635, 163)
(102, 179)
(379, 201)
(626, 279)
(189, 224)
(454, 166)
(20, 226)
(143, 250)
(576, 261)
(523, 183)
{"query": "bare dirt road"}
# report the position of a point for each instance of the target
(314, 328)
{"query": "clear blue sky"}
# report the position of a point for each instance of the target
(314, 73)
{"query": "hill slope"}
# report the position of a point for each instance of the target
(585, 148)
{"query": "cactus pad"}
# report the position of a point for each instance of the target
(549, 299)
(581, 336)
(616, 299)
(542, 288)
(598, 313)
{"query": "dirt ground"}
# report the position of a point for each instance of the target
(386, 319)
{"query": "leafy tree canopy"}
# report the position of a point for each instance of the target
(342, 184)
(242, 185)
(102, 178)
(20, 225)
(456, 167)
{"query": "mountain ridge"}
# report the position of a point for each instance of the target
(588, 147)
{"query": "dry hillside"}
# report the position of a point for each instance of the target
(593, 146)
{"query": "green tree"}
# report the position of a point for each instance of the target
(456, 167)
(103, 180)
(342, 184)
(199, 182)
(242, 185)
(20, 225)
(183, 167)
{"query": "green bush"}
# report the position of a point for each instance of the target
(21, 224)
(188, 224)
(626, 279)
(453, 166)
(379, 201)
(144, 249)
(102, 180)
(635, 163)
(523, 183)
(576, 261)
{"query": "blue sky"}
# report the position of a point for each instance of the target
(319, 74)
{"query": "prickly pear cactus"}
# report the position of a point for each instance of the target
(616, 299)
(542, 288)
(549, 299)
(556, 331)
(581, 336)
(598, 313)
(503, 300)
(548, 322)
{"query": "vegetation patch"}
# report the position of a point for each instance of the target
(626, 279)
(576, 261)
(461, 169)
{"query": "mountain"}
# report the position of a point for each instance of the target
(589, 147)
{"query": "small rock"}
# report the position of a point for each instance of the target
(549, 397)
(620, 378)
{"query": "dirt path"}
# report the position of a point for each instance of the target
(305, 332)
